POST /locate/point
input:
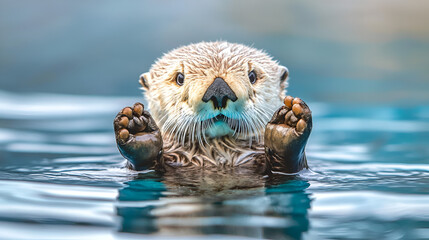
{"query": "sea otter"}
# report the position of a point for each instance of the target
(215, 105)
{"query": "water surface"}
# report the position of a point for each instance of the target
(62, 177)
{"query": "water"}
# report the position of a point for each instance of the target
(62, 178)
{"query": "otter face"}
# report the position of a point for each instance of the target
(215, 89)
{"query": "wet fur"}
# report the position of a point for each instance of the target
(223, 151)
(182, 117)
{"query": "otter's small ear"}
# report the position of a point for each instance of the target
(144, 81)
(283, 74)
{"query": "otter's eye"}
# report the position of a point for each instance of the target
(252, 77)
(180, 79)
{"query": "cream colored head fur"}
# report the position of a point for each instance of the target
(179, 110)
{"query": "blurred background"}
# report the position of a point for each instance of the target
(341, 51)
(67, 68)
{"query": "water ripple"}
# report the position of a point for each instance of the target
(62, 173)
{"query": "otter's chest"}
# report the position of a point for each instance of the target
(221, 152)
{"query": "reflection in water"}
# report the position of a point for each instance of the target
(226, 202)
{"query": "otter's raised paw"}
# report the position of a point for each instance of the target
(286, 135)
(138, 137)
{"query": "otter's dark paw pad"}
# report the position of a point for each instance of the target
(294, 115)
(287, 133)
(138, 137)
(131, 121)
(286, 136)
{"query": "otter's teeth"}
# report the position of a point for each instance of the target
(219, 117)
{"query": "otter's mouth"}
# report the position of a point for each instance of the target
(231, 122)
(220, 125)
(220, 117)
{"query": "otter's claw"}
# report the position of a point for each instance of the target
(137, 136)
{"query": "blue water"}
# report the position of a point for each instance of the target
(62, 178)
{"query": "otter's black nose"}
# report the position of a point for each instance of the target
(219, 92)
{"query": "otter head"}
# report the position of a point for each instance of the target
(214, 89)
